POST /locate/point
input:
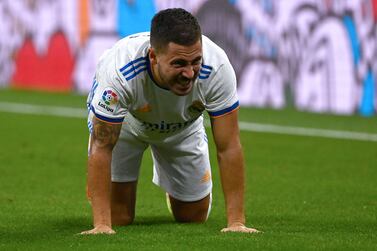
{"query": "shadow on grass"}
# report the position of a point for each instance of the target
(153, 220)
(60, 230)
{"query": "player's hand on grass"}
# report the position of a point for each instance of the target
(240, 228)
(100, 229)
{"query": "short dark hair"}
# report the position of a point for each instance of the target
(174, 25)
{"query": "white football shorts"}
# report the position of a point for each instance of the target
(180, 163)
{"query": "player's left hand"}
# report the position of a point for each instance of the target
(240, 228)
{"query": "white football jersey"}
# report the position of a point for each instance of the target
(124, 91)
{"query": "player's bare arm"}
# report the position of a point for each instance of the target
(231, 163)
(102, 142)
(105, 135)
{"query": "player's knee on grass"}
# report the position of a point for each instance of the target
(190, 212)
(123, 198)
(122, 214)
(121, 218)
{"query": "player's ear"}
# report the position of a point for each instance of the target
(152, 56)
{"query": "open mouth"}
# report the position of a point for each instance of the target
(185, 87)
(184, 82)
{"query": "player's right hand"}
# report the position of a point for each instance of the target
(240, 228)
(100, 229)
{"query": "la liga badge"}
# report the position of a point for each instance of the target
(109, 100)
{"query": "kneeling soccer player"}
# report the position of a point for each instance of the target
(151, 89)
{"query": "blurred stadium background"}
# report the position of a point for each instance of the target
(317, 55)
(307, 82)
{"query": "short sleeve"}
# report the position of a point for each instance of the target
(221, 96)
(108, 99)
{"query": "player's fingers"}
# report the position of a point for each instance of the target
(250, 230)
(97, 231)
(224, 230)
(240, 229)
(91, 232)
(228, 229)
(86, 232)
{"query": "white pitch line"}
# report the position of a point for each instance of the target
(60, 111)
(314, 132)
(245, 126)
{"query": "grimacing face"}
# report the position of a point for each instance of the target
(176, 67)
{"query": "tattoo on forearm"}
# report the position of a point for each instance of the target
(105, 134)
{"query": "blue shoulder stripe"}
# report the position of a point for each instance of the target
(225, 111)
(130, 70)
(207, 67)
(203, 77)
(91, 93)
(111, 120)
(90, 126)
(132, 62)
(136, 72)
(133, 68)
(205, 71)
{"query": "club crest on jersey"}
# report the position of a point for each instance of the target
(109, 100)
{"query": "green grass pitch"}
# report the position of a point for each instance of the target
(304, 193)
